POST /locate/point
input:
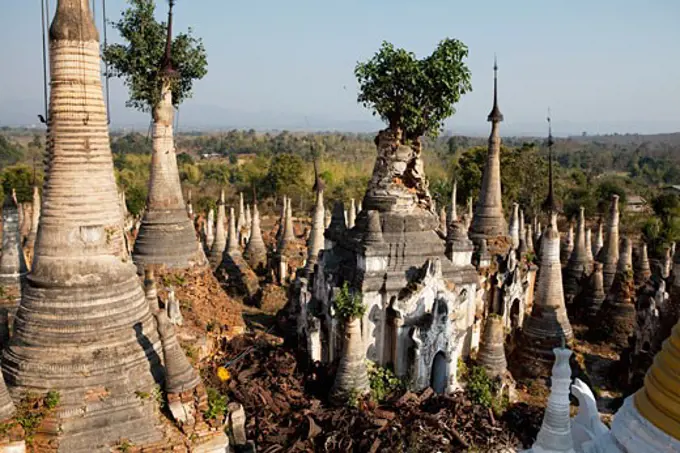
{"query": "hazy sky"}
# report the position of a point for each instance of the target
(601, 65)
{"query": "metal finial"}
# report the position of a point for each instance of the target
(495, 116)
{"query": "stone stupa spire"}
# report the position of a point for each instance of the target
(35, 218)
(83, 327)
(589, 248)
(190, 207)
(599, 240)
(491, 351)
(232, 238)
(513, 229)
(13, 267)
(352, 214)
(315, 243)
(550, 204)
(609, 253)
(488, 220)
(166, 235)
(642, 268)
(256, 251)
(210, 229)
(220, 242)
(555, 433)
(452, 212)
(577, 266)
(548, 325)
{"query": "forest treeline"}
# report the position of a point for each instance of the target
(266, 166)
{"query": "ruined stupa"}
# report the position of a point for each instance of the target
(210, 229)
(220, 242)
(593, 295)
(166, 236)
(84, 328)
(489, 222)
(548, 325)
(315, 242)
(352, 214)
(35, 218)
(513, 229)
(641, 266)
(609, 253)
(577, 266)
(13, 268)
(256, 251)
(491, 351)
(599, 239)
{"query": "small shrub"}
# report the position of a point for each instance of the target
(383, 381)
(353, 399)
(462, 369)
(480, 389)
(217, 404)
(349, 305)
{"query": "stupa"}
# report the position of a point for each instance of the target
(84, 328)
(166, 236)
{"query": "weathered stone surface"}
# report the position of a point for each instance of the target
(352, 376)
(35, 218)
(12, 267)
(488, 221)
(642, 269)
(491, 351)
(616, 320)
(180, 376)
(315, 242)
(577, 266)
(83, 327)
(166, 235)
(548, 326)
(593, 295)
(256, 252)
(609, 253)
(555, 433)
(220, 242)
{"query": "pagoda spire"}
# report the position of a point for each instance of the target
(166, 64)
(489, 221)
(495, 116)
(550, 203)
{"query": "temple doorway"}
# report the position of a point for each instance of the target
(439, 373)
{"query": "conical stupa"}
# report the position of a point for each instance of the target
(166, 236)
(567, 245)
(256, 252)
(609, 253)
(35, 218)
(210, 229)
(577, 266)
(84, 328)
(548, 325)
(232, 237)
(220, 242)
(13, 268)
(513, 229)
(315, 243)
(491, 351)
(599, 240)
(642, 269)
(593, 295)
(488, 221)
(352, 214)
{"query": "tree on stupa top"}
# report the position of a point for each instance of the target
(139, 61)
(414, 95)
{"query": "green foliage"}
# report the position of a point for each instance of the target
(132, 143)
(32, 410)
(661, 230)
(20, 178)
(348, 304)
(480, 389)
(284, 176)
(354, 399)
(383, 381)
(414, 95)
(138, 62)
(217, 405)
(10, 152)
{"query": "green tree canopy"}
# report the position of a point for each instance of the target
(414, 95)
(138, 62)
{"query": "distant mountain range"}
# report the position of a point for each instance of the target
(198, 117)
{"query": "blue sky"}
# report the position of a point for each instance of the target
(602, 66)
